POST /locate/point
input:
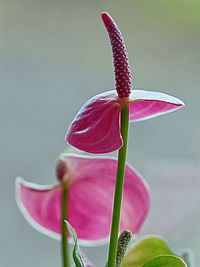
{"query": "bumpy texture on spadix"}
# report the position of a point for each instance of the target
(120, 58)
(96, 127)
(91, 187)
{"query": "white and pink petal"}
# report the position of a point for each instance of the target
(90, 201)
(148, 104)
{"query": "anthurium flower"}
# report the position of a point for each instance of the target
(90, 182)
(96, 127)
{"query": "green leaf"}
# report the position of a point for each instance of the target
(145, 249)
(165, 261)
(76, 251)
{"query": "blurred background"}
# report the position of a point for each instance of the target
(54, 56)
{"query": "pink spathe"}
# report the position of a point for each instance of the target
(96, 127)
(91, 187)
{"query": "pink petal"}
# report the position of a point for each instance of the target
(90, 200)
(147, 104)
(40, 206)
(95, 128)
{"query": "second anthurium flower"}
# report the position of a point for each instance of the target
(96, 127)
(90, 182)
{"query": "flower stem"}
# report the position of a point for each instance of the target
(65, 256)
(119, 187)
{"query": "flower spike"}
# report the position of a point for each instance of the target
(120, 58)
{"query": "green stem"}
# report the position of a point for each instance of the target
(119, 187)
(65, 256)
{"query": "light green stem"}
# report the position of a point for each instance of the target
(119, 187)
(65, 254)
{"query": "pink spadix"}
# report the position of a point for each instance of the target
(120, 58)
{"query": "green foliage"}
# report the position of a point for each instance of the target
(76, 251)
(145, 249)
(165, 261)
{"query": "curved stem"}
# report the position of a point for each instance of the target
(65, 256)
(119, 187)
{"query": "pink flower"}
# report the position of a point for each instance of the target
(91, 182)
(96, 127)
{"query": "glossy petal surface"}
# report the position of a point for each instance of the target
(96, 127)
(91, 190)
(148, 104)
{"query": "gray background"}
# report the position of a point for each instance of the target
(54, 56)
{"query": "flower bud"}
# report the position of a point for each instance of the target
(61, 170)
